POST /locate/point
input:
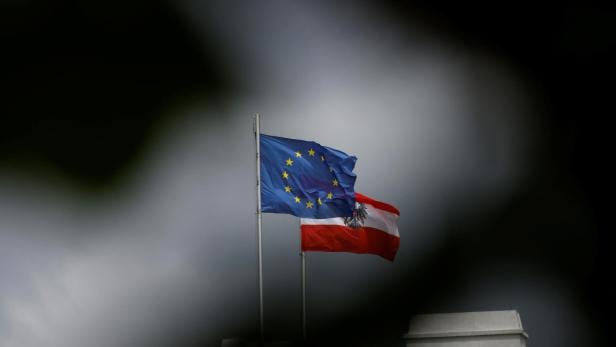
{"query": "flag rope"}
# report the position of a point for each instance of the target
(259, 214)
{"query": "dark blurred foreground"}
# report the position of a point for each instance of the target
(86, 86)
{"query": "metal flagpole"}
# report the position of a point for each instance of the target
(303, 257)
(260, 249)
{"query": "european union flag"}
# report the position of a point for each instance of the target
(306, 179)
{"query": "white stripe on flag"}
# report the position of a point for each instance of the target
(377, 219)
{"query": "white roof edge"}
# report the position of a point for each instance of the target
(466, 333)
(483, 323)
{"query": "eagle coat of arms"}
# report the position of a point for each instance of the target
(358, 218)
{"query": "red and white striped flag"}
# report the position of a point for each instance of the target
(372, 229)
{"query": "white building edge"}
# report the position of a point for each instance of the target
(467, 329)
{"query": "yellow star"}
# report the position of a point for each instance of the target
(297, 199)
(309, 204)
(330, 195)
(289, 162)
(322, 158)
(335, 183)
(319, 201)
(311, 152)
(287, 189)
(285, 175)
(298, 154)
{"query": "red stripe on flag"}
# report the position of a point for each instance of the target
(338, 238)
(377, 204)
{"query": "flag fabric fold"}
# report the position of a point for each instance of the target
(305, 179)
(372, 228)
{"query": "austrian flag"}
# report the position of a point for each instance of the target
(371, 229)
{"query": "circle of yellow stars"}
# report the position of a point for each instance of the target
(287, 188)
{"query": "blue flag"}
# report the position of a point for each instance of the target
(306, 179)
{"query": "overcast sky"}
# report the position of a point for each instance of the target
(442, 131)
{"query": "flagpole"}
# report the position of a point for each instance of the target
(259, 245)
(303, 261)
